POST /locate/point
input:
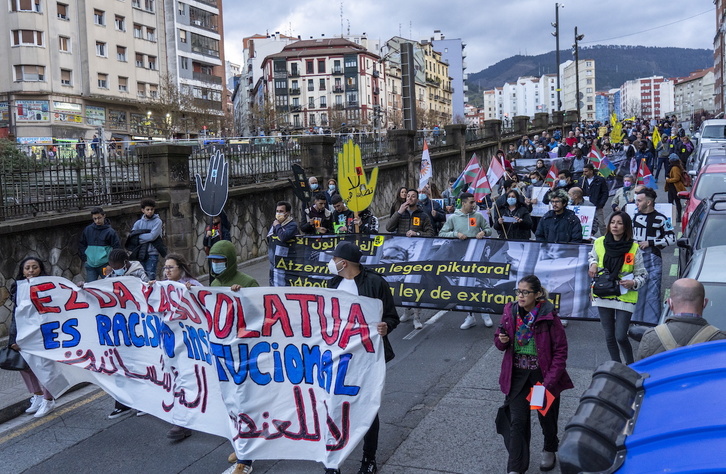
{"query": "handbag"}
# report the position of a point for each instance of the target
(10, 359)
(605, 284)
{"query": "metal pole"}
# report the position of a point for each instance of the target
(577, 77)
(557, 52)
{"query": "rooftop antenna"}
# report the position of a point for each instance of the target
(341, 19)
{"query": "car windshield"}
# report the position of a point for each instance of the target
(712, 232)
(714, 131)
(709, 184)
(713, 312)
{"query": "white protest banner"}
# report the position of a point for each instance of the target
(283, 373)
(539, 208)
(587, 218)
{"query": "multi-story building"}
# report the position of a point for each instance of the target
(569, 75)
(453, 53)
(719, 57)
(694, 95)
(332, 83)
(490, 108)
(526, 96)
(648, 97)
(83, 67)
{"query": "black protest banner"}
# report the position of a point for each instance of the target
(450, 274)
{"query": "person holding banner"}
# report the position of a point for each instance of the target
(282, 230)
(318, 218)
(535, 353)
(354, 278)
(466, 223)
(512, 219)
(342, 216)
(617, 253)
(433, 209)
(41, 402)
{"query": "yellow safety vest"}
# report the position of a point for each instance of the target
(628, 265)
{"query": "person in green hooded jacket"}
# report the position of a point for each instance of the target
(223, 263)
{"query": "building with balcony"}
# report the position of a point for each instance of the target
(648, 97)
(453, 53)
(694, 95)
(569, 76)
(526, 96)
(329, 82)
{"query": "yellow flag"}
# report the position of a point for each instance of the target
(613, 119)
(355, 189)
(656, 137)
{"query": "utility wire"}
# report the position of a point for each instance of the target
(649, 29)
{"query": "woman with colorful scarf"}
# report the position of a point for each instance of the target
(618, 253)
(535, 351)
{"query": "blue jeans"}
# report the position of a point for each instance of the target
(93, 273)
(150, 265)
(662, 163)
(615, 323)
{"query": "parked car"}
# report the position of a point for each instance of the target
(711, 131)
(713, 152)
(705, 229)
(711, 179)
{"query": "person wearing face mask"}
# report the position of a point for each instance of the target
(432, 208)
(512, 219)
(331, 191)
(625, 195)
(354, 278)
(564, 183)
(119, 265)
(281, 232)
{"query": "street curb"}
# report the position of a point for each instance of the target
(18, 408)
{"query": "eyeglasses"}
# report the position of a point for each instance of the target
(523, 292)
(169, 268)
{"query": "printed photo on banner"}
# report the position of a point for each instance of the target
(283, 373)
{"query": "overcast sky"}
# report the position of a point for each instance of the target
(492, 29)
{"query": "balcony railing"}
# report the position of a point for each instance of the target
(337, 71)
(295, 91)
(212, 79)
(338, 89)
(295, 73)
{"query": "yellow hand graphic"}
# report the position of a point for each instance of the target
(355, 188)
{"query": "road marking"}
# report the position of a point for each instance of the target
(52, 416)
(674, 270)
(430, 321)
(675, 252)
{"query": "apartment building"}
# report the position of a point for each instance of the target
(647, 97)
(695, 94)
(585, 72)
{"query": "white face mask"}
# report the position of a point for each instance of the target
(119, 271)
(218, 267)
(333, 267)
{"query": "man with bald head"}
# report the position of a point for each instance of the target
(685, 326)
(576, 198)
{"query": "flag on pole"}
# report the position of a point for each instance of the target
(480, 187)
(426, 168)
(606, 167)
(644, 175)
(496, 171)
(595, 155)
(656, 137)
(552, 174)
(467, 176)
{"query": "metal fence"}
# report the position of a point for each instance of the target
(374, 148)
(44, 179)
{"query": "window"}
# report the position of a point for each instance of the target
(25, 6)
(136, 3)
(182, 9)
(123, 84)
(30, 73)
(182, 36)
(27, 38)
(137, 31)
(152, 62)
(151, 34)
(64, 44)
(121, 53)
(309, 66)
(321, 66)
(66, 77)
(323, 119)
(350, 61)
(184, 62)
(120, 22)
(101, 49)
(149, 5)
(139, 60)
(323, 102)
(141, 89)
(311, 85)
(206, 45)
(296, 120)
(99, 17)
(311, 102)
(62, 11)
(102, 81)
(153, 91)
(321, 86)
(589, 81)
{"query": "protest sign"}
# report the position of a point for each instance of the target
(283, 373)
(539, 208)
(451, 274)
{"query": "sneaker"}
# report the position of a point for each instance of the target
(417, 322)
(141, 413)
(487, 320)
(565, 322)
(469, 322)
(368, 466)
(46, 406)
(178, 433)
(242, 469)
(35, 402)
(117, 412)
(406, 315)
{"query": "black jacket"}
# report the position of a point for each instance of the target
(98, 236)
(437, 222)
(325, 216)
(417, 221)
(514, 230)
(563, 228)
(372, 285)
(597, 191)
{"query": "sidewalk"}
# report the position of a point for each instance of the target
(14, 396)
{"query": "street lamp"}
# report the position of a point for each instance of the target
(556, 34)
(576, 52)
(148, 124)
